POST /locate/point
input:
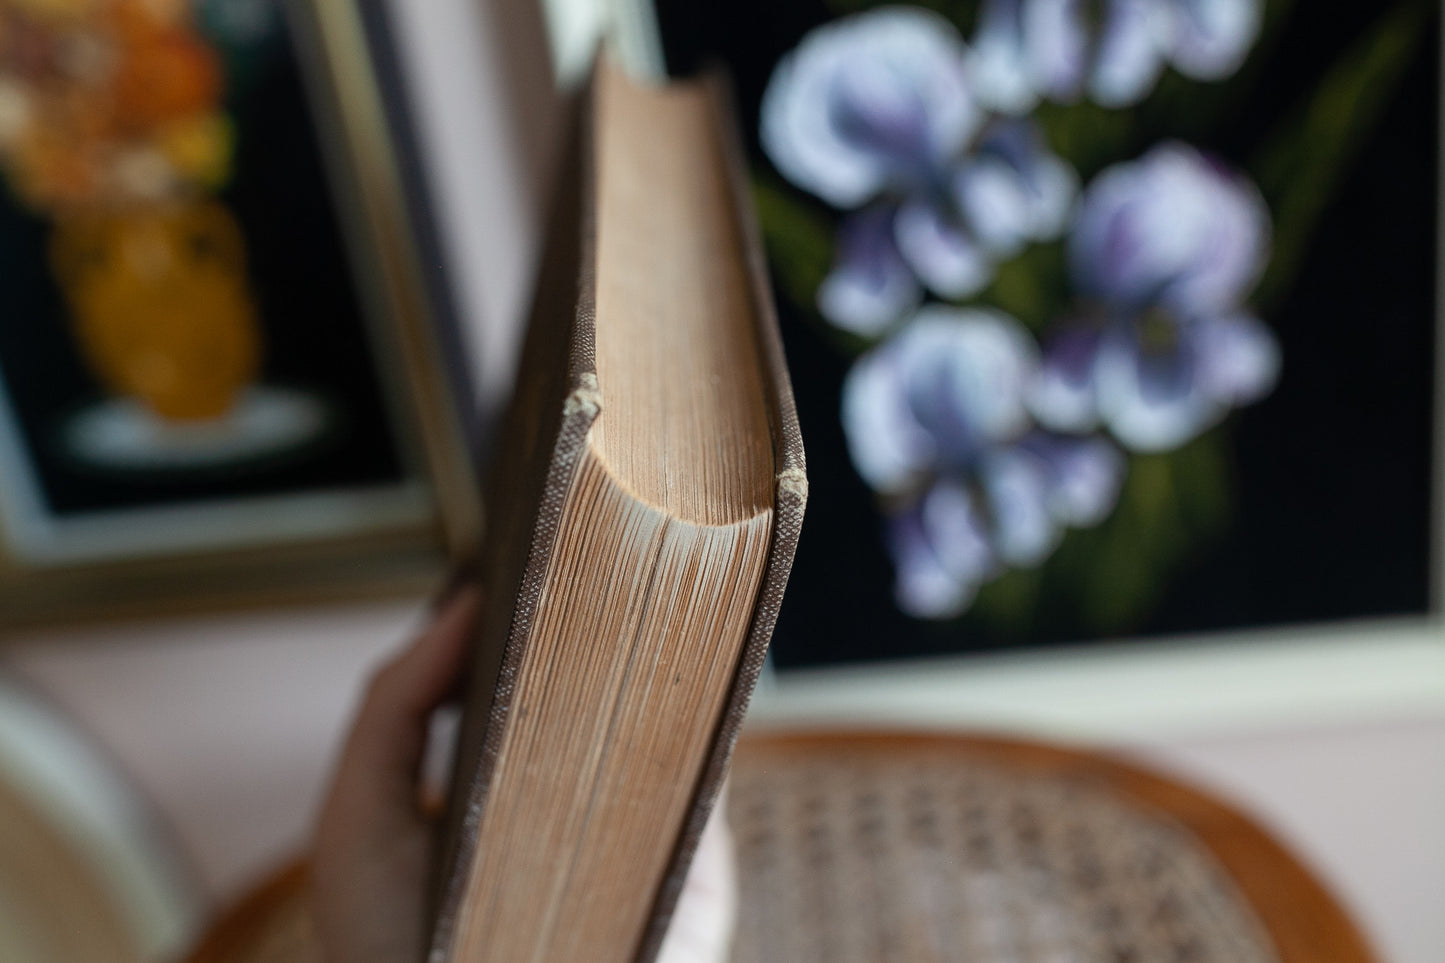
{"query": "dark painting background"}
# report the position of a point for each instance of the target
(1328, 513)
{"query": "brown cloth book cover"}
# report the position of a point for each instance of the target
(555, 404)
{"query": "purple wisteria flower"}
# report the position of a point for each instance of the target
(958, 536)
(936, 420)
(869, 103)
(1163, 253)
(875, 111)
(1025, 50)
(932, 399)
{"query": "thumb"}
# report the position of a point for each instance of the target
(383, 753)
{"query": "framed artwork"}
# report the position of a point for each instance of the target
(225, 368)
(1107, 322)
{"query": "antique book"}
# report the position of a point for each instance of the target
(646, 499)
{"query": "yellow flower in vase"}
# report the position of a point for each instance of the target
(199, 149)
(160, 303)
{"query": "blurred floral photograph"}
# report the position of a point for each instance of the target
(1074, 295)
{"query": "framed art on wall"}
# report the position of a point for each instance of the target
(1113, 329)
(224, 368)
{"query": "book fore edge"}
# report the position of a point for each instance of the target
(790, 498)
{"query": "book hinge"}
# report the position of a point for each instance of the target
(793, 481)
(585, 398)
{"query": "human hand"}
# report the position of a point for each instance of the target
(370, 854)
(369, 865)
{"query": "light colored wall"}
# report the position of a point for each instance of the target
(1361, 803)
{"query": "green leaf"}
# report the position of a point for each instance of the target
(1204, 483)
(1130, 558)
(1032, 286)
(1088, 136)
(1300, 167)
(798, 238)
(1009, 603)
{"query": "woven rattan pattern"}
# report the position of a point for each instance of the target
(862, 858)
